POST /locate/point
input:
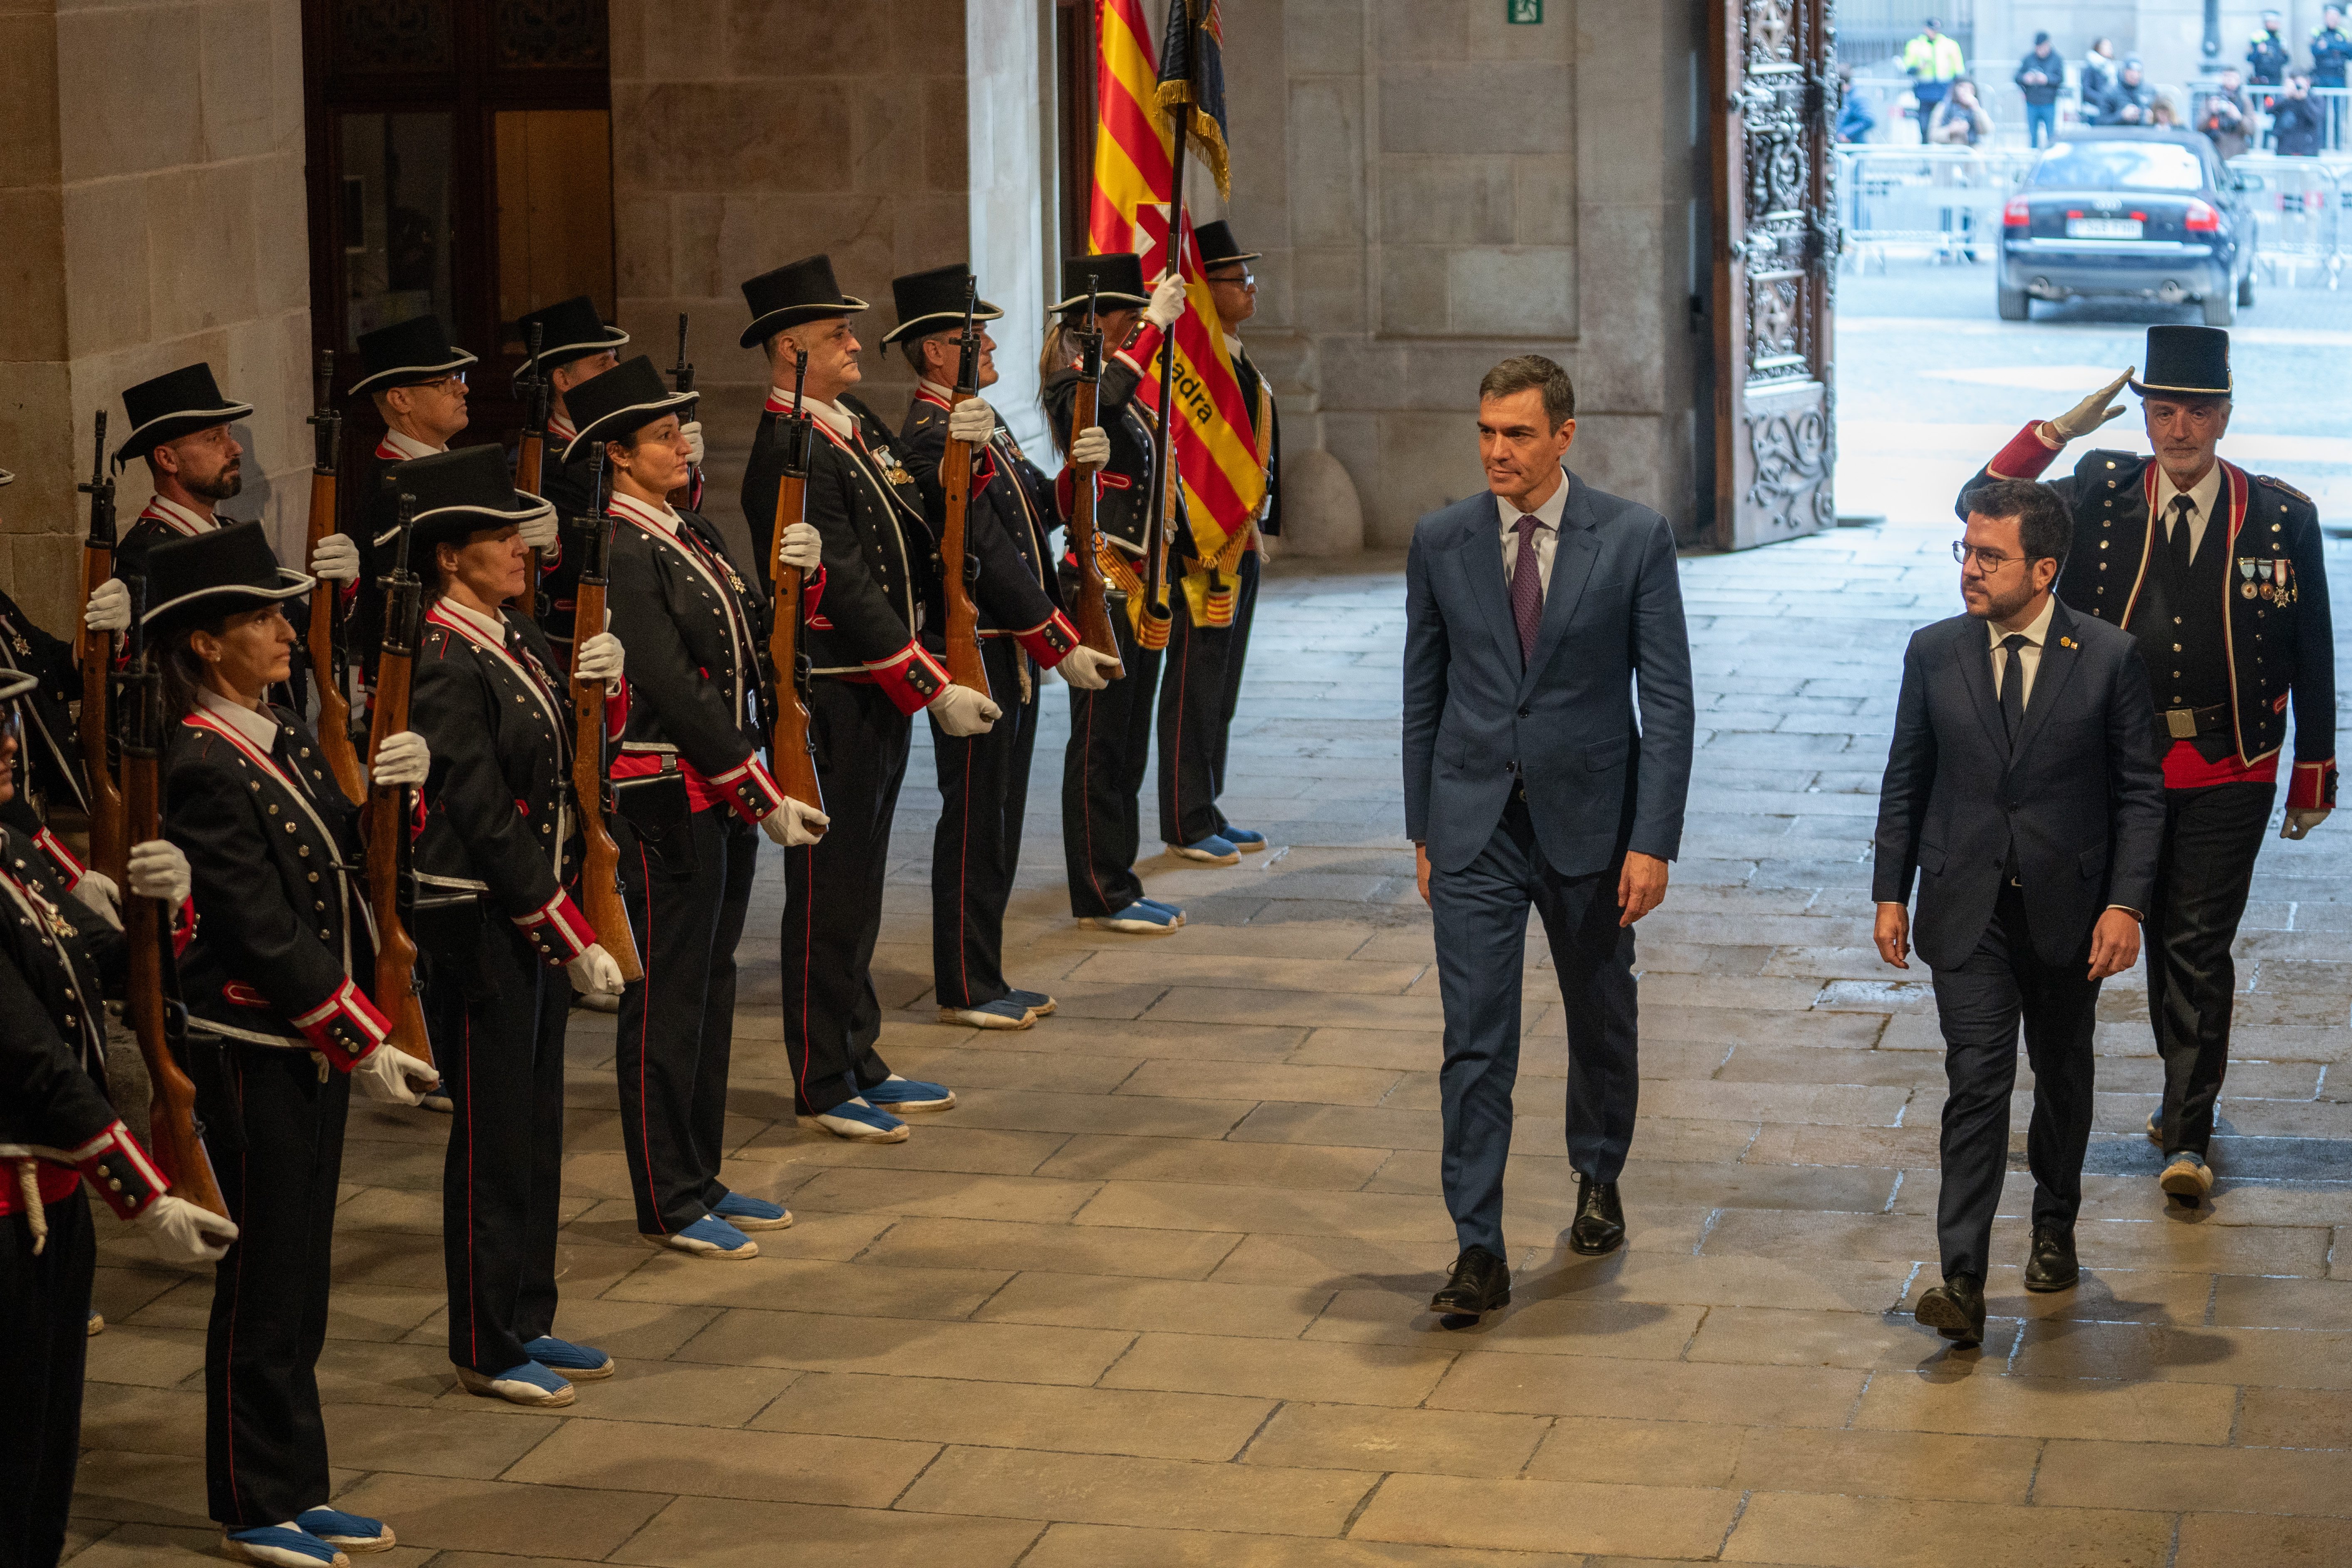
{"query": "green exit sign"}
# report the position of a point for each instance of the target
(1526, 11)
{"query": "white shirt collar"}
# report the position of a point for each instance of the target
(2037, 632)
(944, 394)
(1548, 514)
(255, 726)
(660, 517)
(831, 415)
(186, 518)
(408, 446)
(1233, 346)
(490, 627)
(2203, 494)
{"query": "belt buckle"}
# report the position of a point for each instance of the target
(2181, 722)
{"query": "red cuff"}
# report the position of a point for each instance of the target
(750, 790)
(617, 710)
(2025, 456)
(184, 926)
(55, 848)
(1065, 492)
(811, 592)
(911, 677)
(1139, 353)
(119, 1171)
(983, 467)
(345, 1027)
(1051, 643)
(2312, 788)
(558, 929)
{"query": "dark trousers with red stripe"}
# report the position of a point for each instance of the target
(688, 889)
(45, 1303)
(1237, 656)
(1203, 663)
(265, 1440)
(976, 850)
(1102, 780)
(833, 896)
(496, 1014)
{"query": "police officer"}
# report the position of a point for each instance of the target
(690, 789)
(281, 1029)
(2331, 54)
(1110, 730)
(496, 856)
(984, 779)
(2161, 547)
(874, 646)
(2267, 54)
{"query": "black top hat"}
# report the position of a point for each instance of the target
(569, 330)
(215, 574)
(460, 493)
(2193, 360)
(626, 398)
(407, 354)
(1218, 244)
(797, 291)
(1118, 278)
(177, 403)
(933, 301)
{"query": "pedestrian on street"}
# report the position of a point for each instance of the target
(1854, 122)
(2218, 574)
(2128, 100)
(1532, 613)
(2225, 118)
(2039, 77)
(2098, 71)
(1934, 62)
(1960, 121)
(2296, 122)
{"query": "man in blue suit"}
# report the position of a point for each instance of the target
(1532, 615)
(2023, 788)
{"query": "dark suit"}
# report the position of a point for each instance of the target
(2018, 851)
(1528, 779)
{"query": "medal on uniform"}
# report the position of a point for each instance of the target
(2278, 574)
(890, 468)
(2246, 565)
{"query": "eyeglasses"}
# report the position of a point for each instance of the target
(1988, 561)
(449, 382)
(1245, 278)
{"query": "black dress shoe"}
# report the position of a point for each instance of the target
(1600, 1218)
(1955, 1310)
(1480, 1283)
(2052, 1265)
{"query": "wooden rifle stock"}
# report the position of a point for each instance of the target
(529, 458)
(108, 847)
(1092, 608)
(791, 752)
(600, 873)
(387, 807)
(323, 638)
(964, 665)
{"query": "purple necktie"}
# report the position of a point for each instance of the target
(1527, 587)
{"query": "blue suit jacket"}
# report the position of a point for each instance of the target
(1599, 777)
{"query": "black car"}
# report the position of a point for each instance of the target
(2116, 212)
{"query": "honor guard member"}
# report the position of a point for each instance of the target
(180, 428)
(58, 1133)
(48, 765)
(689, 787)
(1110, 730)
(984, 779)
(873, 627)
(279, 1028)
(2219, 576)
(498, 852)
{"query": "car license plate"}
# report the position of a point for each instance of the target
(2103, 228)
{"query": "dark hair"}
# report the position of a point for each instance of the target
(913, 347)
(1522, 372)
(2043, 529)
(2040, 39)
(183, 672)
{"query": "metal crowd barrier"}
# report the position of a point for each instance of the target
(1945, 199)
(2298, 208)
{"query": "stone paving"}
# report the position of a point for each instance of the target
(1152, 1295)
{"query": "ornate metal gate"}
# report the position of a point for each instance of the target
(1775, 101)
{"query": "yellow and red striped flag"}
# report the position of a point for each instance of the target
(1216, 456)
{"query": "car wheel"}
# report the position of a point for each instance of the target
(2015, 304)
(2246, 291)
(2220, 308)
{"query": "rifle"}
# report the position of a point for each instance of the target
(682, 373)
(387, 806)
(1152, 630)
(957, 568)
(1093, 609)
(156, 1013)
(791, 751)
(600, 876)
(107, 845)
(323, 638)
(528, 456)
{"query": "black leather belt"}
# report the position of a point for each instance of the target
(2187, 723)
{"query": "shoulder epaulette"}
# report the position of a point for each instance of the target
(2280, 485)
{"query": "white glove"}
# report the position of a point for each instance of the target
(1167, 302)
(963, 712)
(2093, 411)
(403, 759)
(1088, 670)
(692, 431)
(158, 869)
(2300, 820)
(1091, 450)
(598, 659)
(538, 529)
(802, 547)
(594, 970)
(183, 1233)
(336, 558)
(110, 607)
(391, 1074)
(97, 891)
(789, 824)
(972, 420)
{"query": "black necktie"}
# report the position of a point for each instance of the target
(2012, 686)
(2183, 508)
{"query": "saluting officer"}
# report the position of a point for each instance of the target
(1110, 728)
(689, 787)
(873, 671)
(984, 779)
(58, 1133)
(282, 934)
(499, 849)
(2220, 574)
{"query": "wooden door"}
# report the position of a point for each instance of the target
(1775, 102)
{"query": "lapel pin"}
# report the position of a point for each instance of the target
(2065, 642)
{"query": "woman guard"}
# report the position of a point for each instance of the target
(690, 787)
(279, 1028)
(501, 843)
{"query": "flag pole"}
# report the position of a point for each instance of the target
(1153, 627)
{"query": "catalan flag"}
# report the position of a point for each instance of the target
(1216, 457)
